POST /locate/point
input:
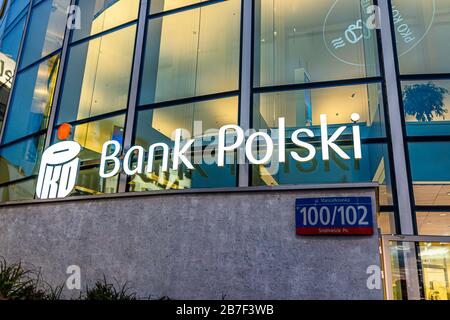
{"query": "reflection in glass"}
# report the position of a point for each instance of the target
(298, 41)
(429, 167)
(422, 29)
(192, 53)
(18, 191)
(9, 48)
(45, 30)
(101, 15)
(98, 76)
(200, 121)
(21, 160)
(433, 223)
(302, 109)
(31, 104)
(426, 105)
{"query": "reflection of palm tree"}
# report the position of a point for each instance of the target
(424, 101)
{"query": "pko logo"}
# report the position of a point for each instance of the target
(59, 168)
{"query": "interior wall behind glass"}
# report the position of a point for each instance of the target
(299, 41)
(199, 121)
(98, 75)
(192, 53)
(302, 109)
(157, 6)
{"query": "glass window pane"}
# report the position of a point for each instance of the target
(15, 8)
(303, 108)
(101, 15)
(429, 165)
(386, 222)
(434, 259)
(426, 105)
(422, 29)
(11, 40)
(90, 183)
(18, 191)
(9, 48)
(45, 31)
(433, 223)
(91, 136)
(21, 159)
(201, 121)
(31, 102)
(299, 41)
(157, 6)
(98, 76)
(192, 53)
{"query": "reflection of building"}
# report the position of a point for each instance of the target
(138, 70)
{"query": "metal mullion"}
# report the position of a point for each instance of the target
(424, 77)
(103, 33)
(19, 58)
(134, 86)
(396, 124)
(318, 85)
(182, 101)
(59, 79)
(246, 84)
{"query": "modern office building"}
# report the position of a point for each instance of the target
(129, 73)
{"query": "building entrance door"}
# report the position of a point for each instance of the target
(416, 268)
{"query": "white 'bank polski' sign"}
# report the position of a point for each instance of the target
(60, 163)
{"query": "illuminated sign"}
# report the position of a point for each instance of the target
(60, 163)
(334, 216)
(59, 168)
(180, 149)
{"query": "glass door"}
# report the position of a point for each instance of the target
(416, 268)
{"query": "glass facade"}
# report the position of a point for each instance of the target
(134, 73)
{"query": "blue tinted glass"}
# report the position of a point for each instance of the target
(45, 31)
(21, 159)
(9, 48)
(426, 105)
(16, 7)
(429, 167)
(30, 105)
(11, 41)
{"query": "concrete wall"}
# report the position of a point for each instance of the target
(242, 245)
